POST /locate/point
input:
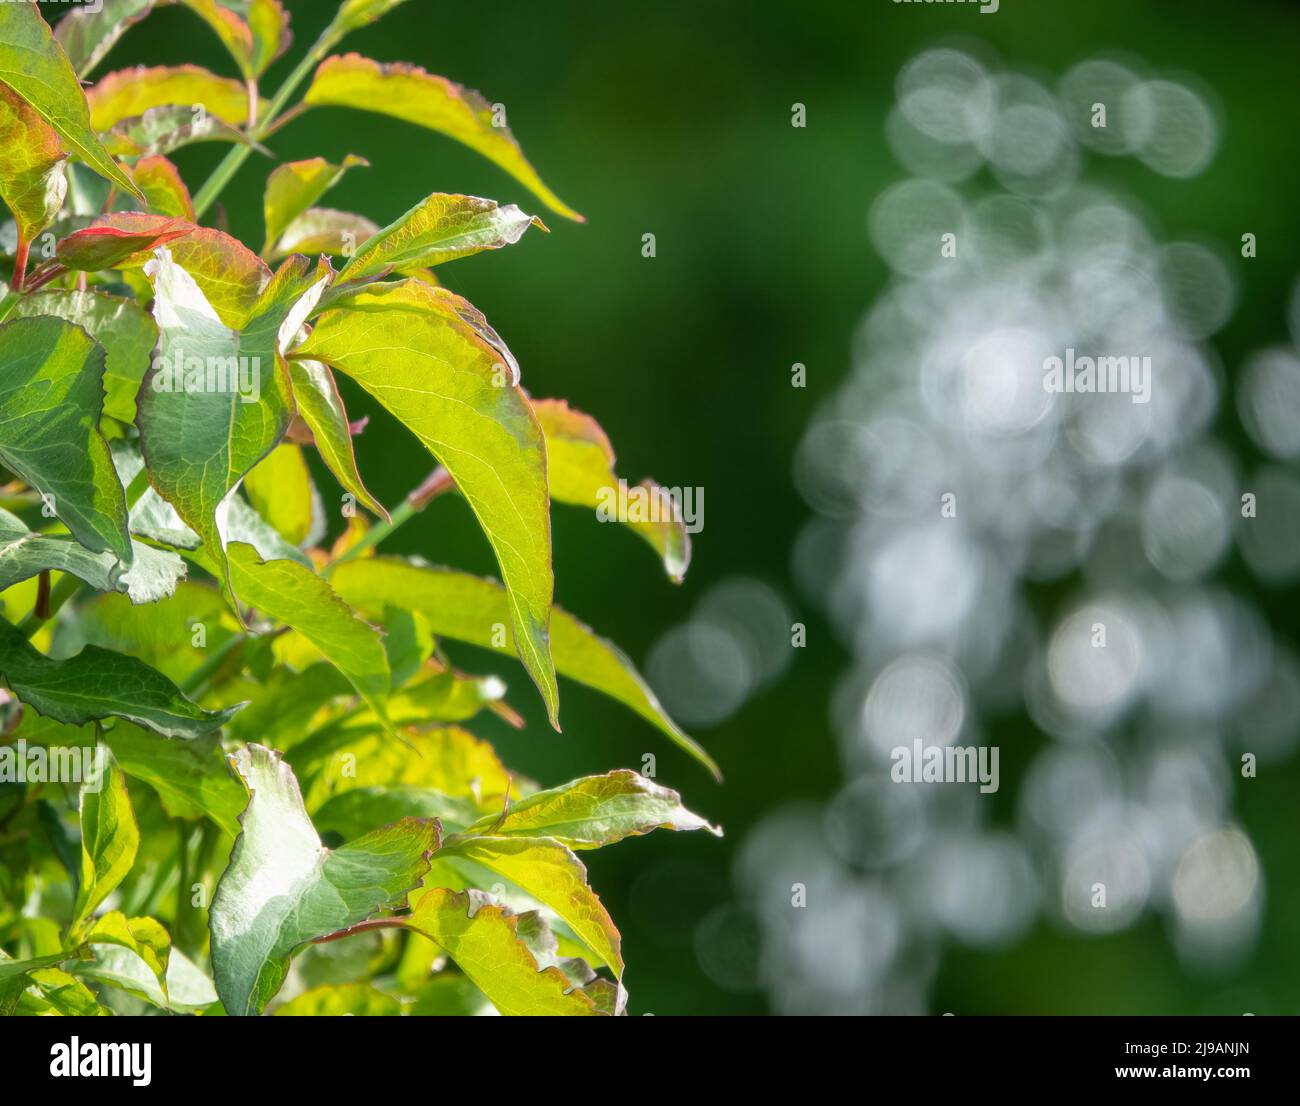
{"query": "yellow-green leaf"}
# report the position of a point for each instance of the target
(110, 839)
(426, 355)
(280, 489)
(580, 471)
(32, 181)
(128, 93)
(483, 938)
(469, 608)
(294, 187)
(438, 229)
(410, 93)
(164, 190)
(87, 32)
(34, 65)
(324, 230)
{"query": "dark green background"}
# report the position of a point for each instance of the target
(673, 117)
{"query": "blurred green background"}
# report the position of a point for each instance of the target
(673, 118)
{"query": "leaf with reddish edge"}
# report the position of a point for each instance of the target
(87, 34)
(410, 93)
(165, 191)
(109, 241)
(32, 181)
(294, 186)
(127, 93)
(34, 65)
(580, 471)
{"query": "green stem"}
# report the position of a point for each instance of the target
(237, 155)
(434, 485)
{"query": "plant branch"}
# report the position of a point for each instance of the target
(434, 485)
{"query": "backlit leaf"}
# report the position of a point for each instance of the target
(483, 938)
(163, 189)
(410, 93)
(468, 608)
(128, 93)
(279, 488)
(32, 181)
(333, 1000)
(323, 230)
(408, 345)
(109, 840)
(580, 470)
(110, 241)
(34, 65)
(283, 888)
(439, 228)
(594, 811)
(294, 187)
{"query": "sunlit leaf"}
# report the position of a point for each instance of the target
(168, 127)
(34, 65)
(163, 189)
(323, 230)
(321, 407)
(143, 936)
(279, 488)
(438, 229)
(594, 811)
(469, 608)
(294, 187)
(32, 180)
(408, 345)
(110, 839)
(333, 1000)
(555, 877)
(355, 14)
(127, 93)
(483, 938)
(410, 93)
(283, 888)
(580, 470)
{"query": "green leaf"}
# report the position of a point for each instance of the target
(87, 34)
(35, 67)
(468, 608)
(294, 595)
(199, 444)
(152, 576)
(128, 93)
(52, 394)
(66, 994)
(334, 1000)
(438, 229)
(580, 471)
(594, 811)
(321, 407)
(97, 684)
(555, 877)
(283, 888)
(125, 330)
(410, 93)
(143, 936)
(269, 24)
(483, 938)
(412, 348)
(254, 42)
(32, 181)
(294, 187)
(110, 241)
(351, 813)
(110, 839)
(188, 987)
(11, 969)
